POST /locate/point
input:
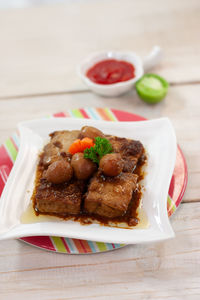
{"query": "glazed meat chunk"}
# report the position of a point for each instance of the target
(63, 199)
(63, 139)
(51, 154)
(130, 150)
(58, 146)
(110, 197)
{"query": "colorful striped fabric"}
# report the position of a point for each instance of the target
(89, 113)
(8, 154)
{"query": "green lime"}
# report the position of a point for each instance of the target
(151, 88)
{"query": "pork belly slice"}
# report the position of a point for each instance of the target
(130, 150)
(50, 154)
(110, 197)
(63, 199)
(64, 138)
(58, 146)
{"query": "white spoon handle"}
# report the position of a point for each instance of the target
(153, 58)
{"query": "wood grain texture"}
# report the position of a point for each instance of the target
(165, 270)
(41, 46)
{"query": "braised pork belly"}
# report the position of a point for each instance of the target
(87, 175)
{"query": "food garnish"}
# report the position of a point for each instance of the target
(102, 147)
(80, 145)
(152, 88)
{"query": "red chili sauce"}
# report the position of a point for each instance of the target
(111, 71)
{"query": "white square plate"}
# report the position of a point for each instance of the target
(159, 140)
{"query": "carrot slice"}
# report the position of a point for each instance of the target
(80, 145)
(75, 147)
(86, 143)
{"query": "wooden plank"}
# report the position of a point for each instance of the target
(181, 105)
(41, 46)
(168, 269)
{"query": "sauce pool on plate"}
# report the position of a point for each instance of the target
(111, 71)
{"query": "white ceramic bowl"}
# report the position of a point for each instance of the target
(114, 89)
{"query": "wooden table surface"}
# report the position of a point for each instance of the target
(40, 47)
